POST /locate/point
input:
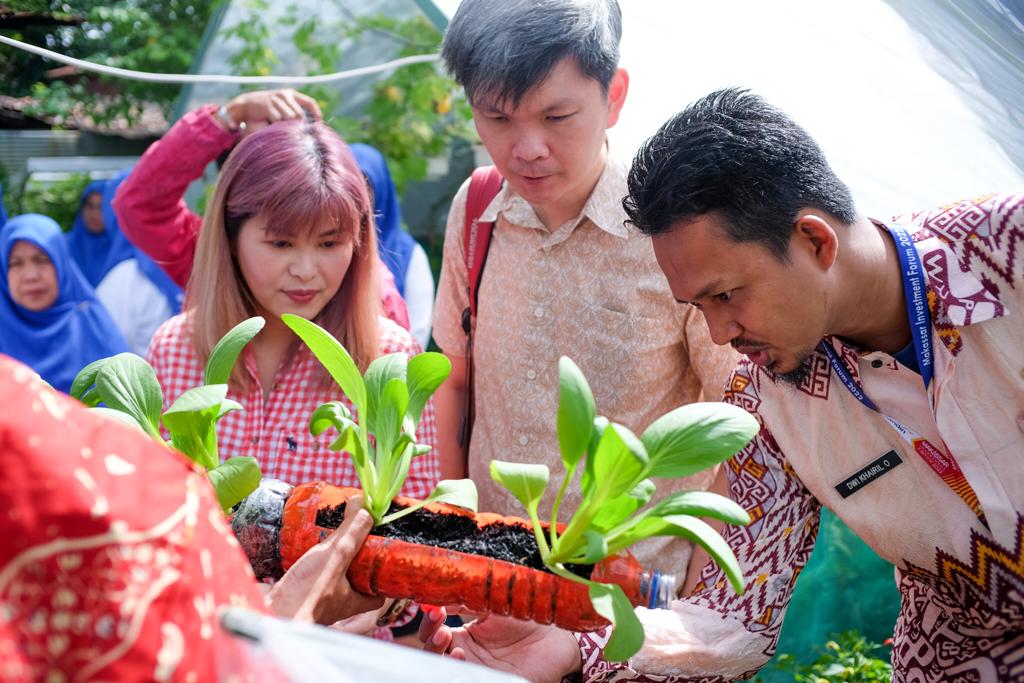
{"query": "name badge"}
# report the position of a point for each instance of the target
(868, 474)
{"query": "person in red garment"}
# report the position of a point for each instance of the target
(117, 560)
(150, 203)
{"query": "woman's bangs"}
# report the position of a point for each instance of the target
(290, 211)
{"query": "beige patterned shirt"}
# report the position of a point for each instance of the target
(590, 290)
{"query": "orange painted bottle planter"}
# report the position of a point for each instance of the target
(398, 569)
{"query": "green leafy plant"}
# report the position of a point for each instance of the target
(849, 656)
(128, 389)
(389, 400)
(615, 468)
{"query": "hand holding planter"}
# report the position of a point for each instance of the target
(616, 469)
(276, 527)
(316, 588)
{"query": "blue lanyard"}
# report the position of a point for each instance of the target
(920, 320)
(916, 293)
(918, 315)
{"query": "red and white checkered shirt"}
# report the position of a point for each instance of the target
(275, 430)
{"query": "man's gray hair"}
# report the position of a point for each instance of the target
(498, 49)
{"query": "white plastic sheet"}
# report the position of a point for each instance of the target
(907, 125)
(915, 102)
(314, 654)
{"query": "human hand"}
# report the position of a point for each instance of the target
(316, 587)
(535, 652)
(262, 107)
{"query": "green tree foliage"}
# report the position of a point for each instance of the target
(414, 112)
(146, 35)
(10, 205)
(58, 200)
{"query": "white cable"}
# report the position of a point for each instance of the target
(214, 78)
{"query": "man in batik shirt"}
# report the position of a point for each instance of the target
(885, 363)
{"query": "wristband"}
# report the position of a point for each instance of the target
(225, 117)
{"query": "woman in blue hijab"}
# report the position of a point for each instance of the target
(137, 293)
(402, 254)
(88, 239)
(121, 250)
(49, 316)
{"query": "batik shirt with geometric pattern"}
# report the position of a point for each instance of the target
(962, 584)
(275, 429)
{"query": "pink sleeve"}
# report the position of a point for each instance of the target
(149, 203)
(391, 301)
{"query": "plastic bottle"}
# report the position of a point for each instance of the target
(644, 587)
(277, 524)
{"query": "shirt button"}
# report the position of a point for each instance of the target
(523, 441)
(538, 312)
(530, 374)
(876, 363)
(255, 440)
(316, 445)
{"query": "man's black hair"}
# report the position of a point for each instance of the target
(734, 154)
(498, 49)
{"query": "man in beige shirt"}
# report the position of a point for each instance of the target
(563, 276)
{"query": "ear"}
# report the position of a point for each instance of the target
(814, 234)
(617, 90)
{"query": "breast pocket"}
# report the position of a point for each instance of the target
(622, 332)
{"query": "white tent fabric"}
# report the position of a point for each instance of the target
(914, 107)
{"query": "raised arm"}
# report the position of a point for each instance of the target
(150, 203)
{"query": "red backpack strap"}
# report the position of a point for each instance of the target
(484, 186)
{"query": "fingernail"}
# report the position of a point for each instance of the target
(438, 638)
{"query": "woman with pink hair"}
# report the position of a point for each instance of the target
(289, 229)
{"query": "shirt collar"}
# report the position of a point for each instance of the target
(957, 297)
(603, 207)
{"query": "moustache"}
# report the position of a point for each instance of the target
(749, 344)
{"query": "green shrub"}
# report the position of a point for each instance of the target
(848, 657)
(58, 200)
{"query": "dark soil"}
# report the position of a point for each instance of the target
(506, 542)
